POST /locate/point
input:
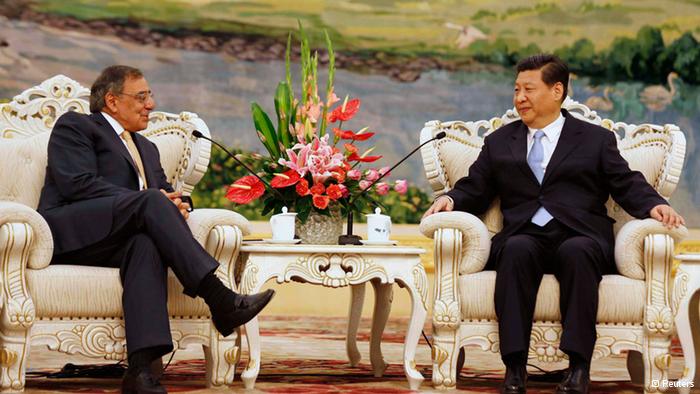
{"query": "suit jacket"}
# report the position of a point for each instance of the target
(88, 167)
(585, 169)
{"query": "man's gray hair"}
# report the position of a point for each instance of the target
(111, 79)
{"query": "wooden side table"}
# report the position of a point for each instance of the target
(686, 286)
(337, 266)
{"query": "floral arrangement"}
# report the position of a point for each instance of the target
(310, 167)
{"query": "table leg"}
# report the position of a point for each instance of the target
(383, 294)
(418, 314)
(252, 280)
(688, 327)
(358, 299)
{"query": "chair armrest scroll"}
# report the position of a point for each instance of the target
(629, 244)
(201, 222)
(476, 242)
(41, 246)
(220, 232)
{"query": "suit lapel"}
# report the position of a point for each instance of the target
(114, 139)
(568, 140)
(518, 147)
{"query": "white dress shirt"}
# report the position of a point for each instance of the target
(549, 142)
(119, 130)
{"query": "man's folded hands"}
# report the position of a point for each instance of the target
(176, 198)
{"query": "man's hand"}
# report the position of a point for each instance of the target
(441, 204)
(666, 215)
(175, 197)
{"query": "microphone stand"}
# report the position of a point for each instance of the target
(198, 134)
(352, 239)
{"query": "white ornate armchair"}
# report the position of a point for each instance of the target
(636, 307)
(77, 309)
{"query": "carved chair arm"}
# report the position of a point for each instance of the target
(25, 240)
(220, 232)
(474, 239)
(634, 238)
(40, 247)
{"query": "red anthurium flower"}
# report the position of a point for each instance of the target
(245, 190)
(302, 187)
(334, 192)
(361, 135)
(345, 111)
(318, 188)
(364, 159)
(321, 202)
(288, 178)
(344, 134)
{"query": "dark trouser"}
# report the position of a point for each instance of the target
(148, 235)
(575, 260)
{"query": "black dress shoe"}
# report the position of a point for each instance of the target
(576, 381)
(242, 310)
(515, 381)
(141, 381)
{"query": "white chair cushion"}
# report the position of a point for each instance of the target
(22, 169)
(621, 299)
(56, 288)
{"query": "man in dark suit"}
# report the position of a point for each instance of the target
(553, 174)
(107, 202)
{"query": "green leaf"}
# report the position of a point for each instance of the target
(288, 62)
(269, 205)
(303, 208)
(266, 130)
(284, 111)
(329, 83)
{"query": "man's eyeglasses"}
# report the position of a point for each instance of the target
(141, 97)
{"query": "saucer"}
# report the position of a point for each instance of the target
(378, 243)
(282, 241)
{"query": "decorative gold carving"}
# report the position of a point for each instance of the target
(442, 378)
(421, 282)
(544, 343)
(231, 355)
(663, 361)
(249, 278)
(492, 338)
(446, 315)
(18, 307)
(7, 357)
(35, 110)
(335, 269)
(439, 355)
(92, 340)
(680, 289)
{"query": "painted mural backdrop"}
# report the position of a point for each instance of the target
(409, 61)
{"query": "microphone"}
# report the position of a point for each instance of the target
(198, 134)
(350, 238)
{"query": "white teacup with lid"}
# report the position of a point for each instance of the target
(282, 225)
(378, 226)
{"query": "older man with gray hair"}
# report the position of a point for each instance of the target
(107, 201)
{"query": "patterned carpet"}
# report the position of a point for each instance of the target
(307, 355)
